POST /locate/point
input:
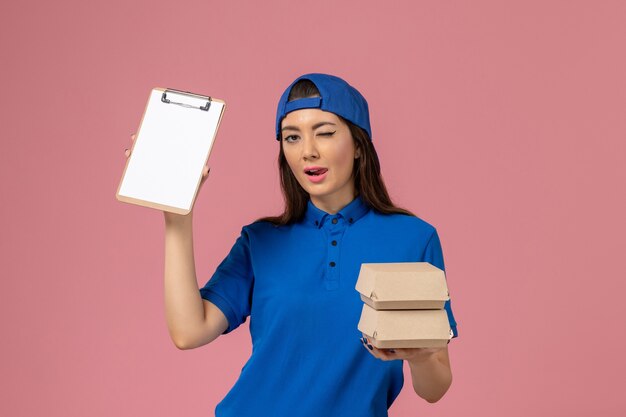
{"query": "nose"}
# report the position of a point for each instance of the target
(309, 148)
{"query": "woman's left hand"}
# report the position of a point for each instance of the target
(414, 355)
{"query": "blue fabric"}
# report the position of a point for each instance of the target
(303, 103)
(337, 96)
(307, 359)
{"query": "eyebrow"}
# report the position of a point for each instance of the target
(315, 126)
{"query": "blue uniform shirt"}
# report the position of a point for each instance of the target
(296, 283)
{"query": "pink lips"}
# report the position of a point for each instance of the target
(315, 174)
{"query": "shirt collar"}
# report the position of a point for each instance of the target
(351, 213)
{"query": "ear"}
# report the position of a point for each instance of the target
(357, 153)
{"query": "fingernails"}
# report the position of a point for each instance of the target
(366, 343)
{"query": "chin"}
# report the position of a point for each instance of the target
(313, 189)
(315, 193)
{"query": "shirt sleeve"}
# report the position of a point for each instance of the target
(434, 255)
(230, 287)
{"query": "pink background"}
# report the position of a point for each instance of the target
(501, 123)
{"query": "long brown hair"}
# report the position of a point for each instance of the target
(368, 181)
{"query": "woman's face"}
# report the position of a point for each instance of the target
(320, 151)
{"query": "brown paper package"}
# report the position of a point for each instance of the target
(403, 305)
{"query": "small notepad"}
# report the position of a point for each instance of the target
(172, 146)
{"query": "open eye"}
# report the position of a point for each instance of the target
(290, 138)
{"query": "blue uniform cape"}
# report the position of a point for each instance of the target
(296, 282)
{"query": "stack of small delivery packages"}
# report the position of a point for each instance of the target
(404, 305)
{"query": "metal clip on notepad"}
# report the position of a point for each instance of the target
(186, 94)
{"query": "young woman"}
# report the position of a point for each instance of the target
(295, 274)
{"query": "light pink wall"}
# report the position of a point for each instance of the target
(501, 123)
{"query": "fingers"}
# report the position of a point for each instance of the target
(132, 138)
(366, 343)
(382, 354)
(205, 174)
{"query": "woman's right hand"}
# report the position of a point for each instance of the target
(173, 216)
